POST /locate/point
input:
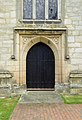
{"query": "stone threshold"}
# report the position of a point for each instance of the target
(40, 89)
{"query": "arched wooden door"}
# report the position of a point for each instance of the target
(40, 67)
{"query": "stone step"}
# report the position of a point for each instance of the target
(40, 97)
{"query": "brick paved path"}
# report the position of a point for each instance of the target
(47, 112)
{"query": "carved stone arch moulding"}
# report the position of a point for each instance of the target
(30, 39)
(35, 39)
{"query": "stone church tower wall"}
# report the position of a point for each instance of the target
(12, 28)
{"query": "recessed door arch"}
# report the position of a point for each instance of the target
(40, 67)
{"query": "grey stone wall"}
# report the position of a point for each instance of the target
(73, 21)
(7, 22)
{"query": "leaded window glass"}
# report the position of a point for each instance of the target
(27, 9)
(40, 9)
(52, 10)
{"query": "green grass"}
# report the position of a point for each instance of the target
(72, 99)
(7, 106)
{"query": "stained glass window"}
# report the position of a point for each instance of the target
(40, 9)
(52, 10)
(27, 9)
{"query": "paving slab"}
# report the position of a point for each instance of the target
(41, 97)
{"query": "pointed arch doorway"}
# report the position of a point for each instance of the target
(40, 67)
